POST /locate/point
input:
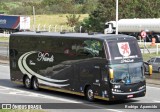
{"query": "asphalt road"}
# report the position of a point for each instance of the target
(12, 93)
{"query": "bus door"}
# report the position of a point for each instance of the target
(97, 76)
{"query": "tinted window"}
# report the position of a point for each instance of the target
(83, 48)
(124, 49)
(70, 50)
(157, 60)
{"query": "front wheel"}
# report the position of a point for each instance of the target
(89, 94)
(35, 83)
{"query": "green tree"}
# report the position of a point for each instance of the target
(3, 7)
(59, 6)
(89, 6)
(106, 9)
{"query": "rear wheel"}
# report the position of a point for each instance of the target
(89, 94)
(27, 82)
(35, 83)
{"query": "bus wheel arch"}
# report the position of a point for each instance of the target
(27, 82)
(34, 83)
(89, 93)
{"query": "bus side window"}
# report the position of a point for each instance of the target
(93, 48)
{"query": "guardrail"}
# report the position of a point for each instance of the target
(55, 28)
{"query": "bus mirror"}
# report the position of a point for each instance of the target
(111, 75)
(150, 69)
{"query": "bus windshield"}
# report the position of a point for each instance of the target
(126, 61)
(124, 50)
(128, 73)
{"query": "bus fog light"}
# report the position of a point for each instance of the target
(142, 87)
(117, 86)
(119, 91)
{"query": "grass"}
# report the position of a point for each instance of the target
(56, 19)
(4, 39)
(148, 56)
(148, 45)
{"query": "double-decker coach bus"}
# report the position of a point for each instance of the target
(97, 66)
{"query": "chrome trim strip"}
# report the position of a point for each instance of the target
(129, 92)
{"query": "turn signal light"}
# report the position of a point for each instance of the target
(111, 74)
(150, 69)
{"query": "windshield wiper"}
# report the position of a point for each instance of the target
(123, 80)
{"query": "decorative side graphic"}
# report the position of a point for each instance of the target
(25, 69)
(45, 57)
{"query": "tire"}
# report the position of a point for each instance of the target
(35, 84)
(27, 82)
(89, 94)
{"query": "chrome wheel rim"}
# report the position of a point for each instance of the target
(27, 82)
(90, 94)
(35, 84)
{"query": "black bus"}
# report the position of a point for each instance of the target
(97, 66)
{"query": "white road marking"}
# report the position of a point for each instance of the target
(156, 101)
(114, 110)
(4, 66)
(3, 88)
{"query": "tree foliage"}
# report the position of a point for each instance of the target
(106, 11)
(50, 6)
(72, 20)
(100, 11)
(3, 7)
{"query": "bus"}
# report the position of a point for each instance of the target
(97, 66)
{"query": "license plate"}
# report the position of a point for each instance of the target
(129, 96)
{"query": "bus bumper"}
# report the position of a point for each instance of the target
(121, 96)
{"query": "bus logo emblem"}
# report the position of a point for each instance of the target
(124, 49)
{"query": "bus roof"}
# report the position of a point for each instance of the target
(72, 35)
